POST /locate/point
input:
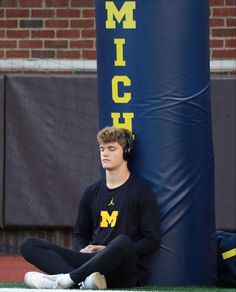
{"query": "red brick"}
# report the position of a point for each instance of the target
(69, 72)
(230, 43)
(43, 54)
(17, 54)
(43, 13)
(66, 13)
(81, 44)
(43, 34)
(216, 43)
(2, 13)
(7, 44)
(2, 34)
(9, 71)
(18, 34)
(2, 53)
(8, 3)
(82, 23)
(8, 23)
(224, 54)
(68, 34)
(35, 72)
(230, 2)
(30, 44)
(219, 73)
(82, 3)
(31, 3)
(217, 2)
(17, 13)
(86, 54)
(57, 3)
(56, 44)
(231, 22)
(223, 32)
(88, 33)
(56, 23)
(224, 12)
(214, 22)
(88, 13)
(69, 54)
(56, 72)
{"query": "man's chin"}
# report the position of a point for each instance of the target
(107, 168)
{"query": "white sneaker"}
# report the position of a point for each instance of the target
(39, 280)
(63, 281)
(94, 281)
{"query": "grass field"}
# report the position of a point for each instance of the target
(13, 287)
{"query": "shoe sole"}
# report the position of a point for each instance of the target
(27, 280)
(99, 281)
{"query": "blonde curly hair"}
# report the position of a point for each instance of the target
(113, 134)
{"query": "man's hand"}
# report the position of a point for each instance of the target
(92, 248)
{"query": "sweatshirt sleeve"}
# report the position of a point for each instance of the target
(149, 224)
(83, 227)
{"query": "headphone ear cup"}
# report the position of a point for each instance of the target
(126, 153)
(128, 147)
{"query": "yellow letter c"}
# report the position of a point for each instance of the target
(115, 90)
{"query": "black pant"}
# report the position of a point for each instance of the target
(118, 261)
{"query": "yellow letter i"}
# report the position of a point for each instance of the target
(119, 52)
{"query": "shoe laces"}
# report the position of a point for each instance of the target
(47, 281)
(82, 286)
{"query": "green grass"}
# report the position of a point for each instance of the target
(186, 289)
(195, 289)
(150, 288)
(11, 285)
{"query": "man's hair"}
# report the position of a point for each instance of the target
(113, 134)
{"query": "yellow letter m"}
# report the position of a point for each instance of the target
(108, 219)
(127, 11)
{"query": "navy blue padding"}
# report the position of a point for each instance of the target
(167, 63)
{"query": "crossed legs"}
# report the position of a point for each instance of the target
(118, 261)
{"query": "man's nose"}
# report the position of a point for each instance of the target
(105, 152)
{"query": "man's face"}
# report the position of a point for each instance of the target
(111, 155)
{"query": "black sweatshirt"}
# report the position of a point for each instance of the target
(130, 209)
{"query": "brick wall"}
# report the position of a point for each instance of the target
(65, 29)
(223, 29)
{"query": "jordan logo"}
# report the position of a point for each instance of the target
(111, 202)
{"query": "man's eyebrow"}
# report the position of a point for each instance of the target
(109, 147)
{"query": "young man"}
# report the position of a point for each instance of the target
(117, 226)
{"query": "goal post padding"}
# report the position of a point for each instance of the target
(153, 78)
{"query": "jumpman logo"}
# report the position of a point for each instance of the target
(111, 202)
